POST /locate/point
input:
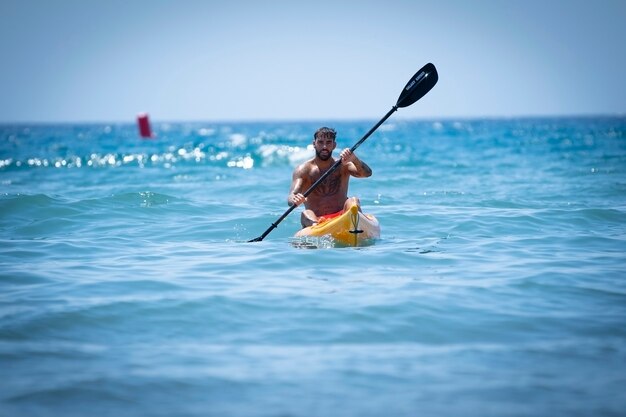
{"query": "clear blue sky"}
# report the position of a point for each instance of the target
(82, 60)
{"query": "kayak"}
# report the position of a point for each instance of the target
(351, 228)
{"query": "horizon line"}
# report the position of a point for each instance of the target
(312, 120)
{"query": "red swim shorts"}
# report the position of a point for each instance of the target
(327, 217)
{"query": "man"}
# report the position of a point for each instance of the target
(330, 198)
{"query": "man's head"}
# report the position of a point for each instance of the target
(324, 142)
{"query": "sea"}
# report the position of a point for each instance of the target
(128, 286)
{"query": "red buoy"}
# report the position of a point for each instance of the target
(144, 126)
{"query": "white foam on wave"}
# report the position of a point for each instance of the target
(294, 155)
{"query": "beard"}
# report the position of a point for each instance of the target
(323, 155)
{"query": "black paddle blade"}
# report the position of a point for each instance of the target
(418, 86)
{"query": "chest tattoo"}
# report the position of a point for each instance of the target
(330, 186)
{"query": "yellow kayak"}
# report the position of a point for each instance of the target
(352, 228)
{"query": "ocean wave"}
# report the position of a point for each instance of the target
(264, 155)
(41, 206)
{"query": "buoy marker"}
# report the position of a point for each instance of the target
(143, 122)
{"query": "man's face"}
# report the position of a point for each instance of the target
(324, 146)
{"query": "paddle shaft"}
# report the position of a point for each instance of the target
(326, 174)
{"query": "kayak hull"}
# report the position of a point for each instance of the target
(352, 228)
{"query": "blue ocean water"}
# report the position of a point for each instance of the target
(498, 287)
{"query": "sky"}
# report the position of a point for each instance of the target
(187, 60)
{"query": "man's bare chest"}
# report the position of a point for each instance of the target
(331, 185)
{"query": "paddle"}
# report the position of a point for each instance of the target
(420, 84)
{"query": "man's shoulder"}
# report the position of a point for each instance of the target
(305, 167)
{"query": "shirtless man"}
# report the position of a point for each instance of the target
(331, 196)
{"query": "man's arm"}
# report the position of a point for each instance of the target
(356, 167)
(297, 182)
